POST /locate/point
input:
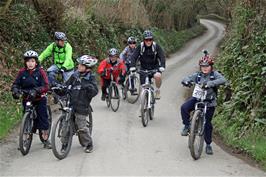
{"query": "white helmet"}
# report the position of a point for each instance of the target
(87, 60)
(31, 54)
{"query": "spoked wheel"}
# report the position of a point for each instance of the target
(61, 139)
(25, 135)
(114, 97)
(133, 91)
(196, 136)
(144, 108)
(108, 98)
(89, 125)
(50, 124)
(151, 110)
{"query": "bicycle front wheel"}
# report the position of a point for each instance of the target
(196, 137)
(151, 110)
(133, 89)
(114, 97)
(144, 110)
(25, 134)
(61, 139)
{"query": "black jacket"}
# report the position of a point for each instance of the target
(83, 89)
(32, 79)
(148, 60)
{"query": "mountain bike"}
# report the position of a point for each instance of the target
(65, 128)
(131, 89)
(113, 96)
(147, 100)
(196, 135)
(26, 127)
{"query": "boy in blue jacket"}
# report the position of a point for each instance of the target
(210, 79)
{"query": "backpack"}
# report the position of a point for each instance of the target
(154, 50)
(53, 51)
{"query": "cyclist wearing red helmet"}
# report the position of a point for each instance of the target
(210, 80)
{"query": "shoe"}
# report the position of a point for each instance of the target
(185, 131)
(63, 148)
(157, 94)
(103, 97)
(209, 149)
(88, 149)
(47, 144)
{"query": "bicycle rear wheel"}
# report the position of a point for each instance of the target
(196, 137)
(133, 93)
(144, 108)
(50, 123)
(114, 97)
(61, 140)
(25, 134)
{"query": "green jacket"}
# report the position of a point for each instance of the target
(62, 56)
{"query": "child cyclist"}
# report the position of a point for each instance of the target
(210, 80)
(33, 79)
(83, 89)
(114, 63)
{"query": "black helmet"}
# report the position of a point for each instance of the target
(147, 34)
(60, 36)
(205, 51)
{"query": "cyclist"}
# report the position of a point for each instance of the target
(125, 55)
(84, 88)
(114, 64)
(151, 56)
(61, 51)
(33, 79)
(210, 80)
(128, 51)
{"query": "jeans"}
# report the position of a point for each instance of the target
(189, 106)
(53, 71)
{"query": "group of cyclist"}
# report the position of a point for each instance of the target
(148, 53)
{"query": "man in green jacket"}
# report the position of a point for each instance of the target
(61, 51)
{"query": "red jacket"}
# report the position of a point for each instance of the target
(118, 68)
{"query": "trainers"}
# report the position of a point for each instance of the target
(157, 94)
(185, 131)
(88, 149)
(47, 144)
(209, 149)
(103, 97)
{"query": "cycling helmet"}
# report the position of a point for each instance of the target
(206, 61)
(87, 60)
(131, 40)
(30, 54)
(205, 52)
(60, 36)
(147, 34)
(113, 52)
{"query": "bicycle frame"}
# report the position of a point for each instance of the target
(202, 106)
(148, 85)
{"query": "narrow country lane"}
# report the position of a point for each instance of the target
(122, 146)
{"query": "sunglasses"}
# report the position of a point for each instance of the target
(132, 43)
(148, 39)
